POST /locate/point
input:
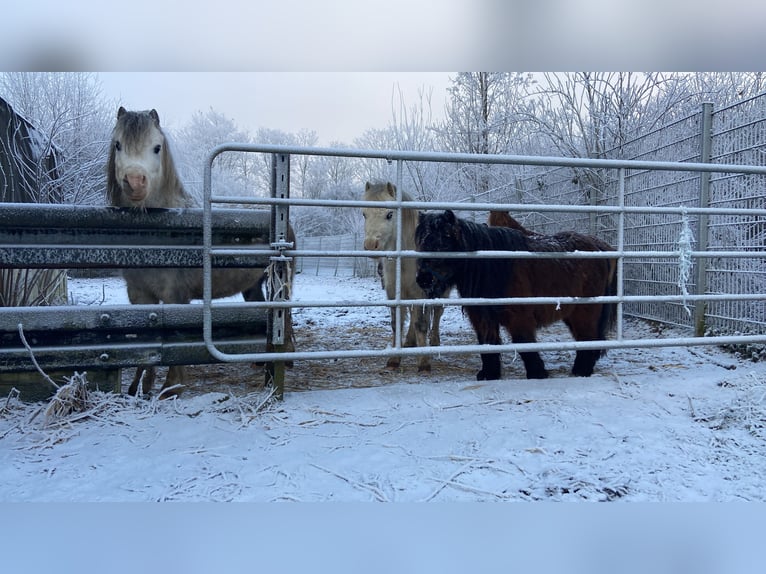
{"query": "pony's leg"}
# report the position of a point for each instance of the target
(435, 337)
(145, 374)
(411, 339)
(176, 378)
(583, 324)
(533, 363)
(490, 367)
(148, 374)
(487, 331)
(394, 361)
(420, 317)
(584, 363)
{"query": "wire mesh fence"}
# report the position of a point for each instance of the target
(331, 265)
(737, 136)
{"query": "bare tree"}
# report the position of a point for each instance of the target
(485, 114)
(301, 165)
(71, 112)
(584, 114)
(233, 174)
(723, 88)
(412, 128)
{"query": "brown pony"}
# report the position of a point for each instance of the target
(380, 235)
(141, 174)
(504, 219)
(497, 278)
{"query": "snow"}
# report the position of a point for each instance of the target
(669, 424)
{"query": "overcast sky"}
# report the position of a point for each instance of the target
(337, 106)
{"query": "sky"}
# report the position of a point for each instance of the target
(338, 106)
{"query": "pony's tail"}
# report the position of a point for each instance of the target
(608, 318)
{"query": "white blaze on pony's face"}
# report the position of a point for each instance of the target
(138, 145)
(379, 223)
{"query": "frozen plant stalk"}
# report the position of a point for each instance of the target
(685, 258)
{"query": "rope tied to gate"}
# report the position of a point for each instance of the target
(277, 287)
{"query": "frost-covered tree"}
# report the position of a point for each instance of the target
(413, 128)
(723, 88)
(71, 112)
(234, 174)
(301, 165)
(484, 114)
(587, 114)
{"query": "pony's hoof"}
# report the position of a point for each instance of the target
(392, 365)
(484, 376)
(537, 374)
(582, 372)
(424, 368)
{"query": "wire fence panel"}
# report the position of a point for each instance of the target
(335, 266)
(737, 137)
(679, 141)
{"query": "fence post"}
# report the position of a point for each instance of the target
(700, 307)
(278, 332)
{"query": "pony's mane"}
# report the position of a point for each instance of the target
(130, 129)
(479, 236)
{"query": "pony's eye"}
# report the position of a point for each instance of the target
(157, 148)
(118, 146)
(389, 215)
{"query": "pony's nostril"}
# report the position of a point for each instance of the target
(136, 181)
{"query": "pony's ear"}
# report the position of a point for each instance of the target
(155, 116)
(449, 215)
(121, 112)
(391, 189)
(367, 186)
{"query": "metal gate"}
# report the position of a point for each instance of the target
(682, 257)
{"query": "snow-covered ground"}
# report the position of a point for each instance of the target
(669, 424)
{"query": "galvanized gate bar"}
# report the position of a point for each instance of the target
(521, 207)
(623, 166)
(510, 347)
(499, 159)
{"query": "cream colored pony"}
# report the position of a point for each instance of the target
(141, 174)
(380, 235)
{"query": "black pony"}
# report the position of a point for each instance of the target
(494, 278)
